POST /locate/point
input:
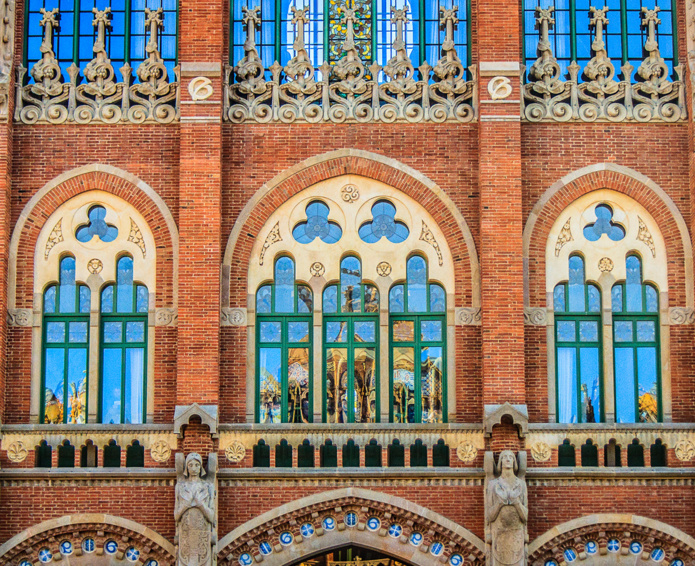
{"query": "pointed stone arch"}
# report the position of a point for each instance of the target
(316, 509)
(100, 528)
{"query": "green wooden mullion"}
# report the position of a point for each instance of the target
(25, 38)
(326, 30)
(128, 15)
(623, 31)
(421, 30)
(76, 33)
(674, 23)
(278, 32)
(231, 38)
(374, 34)
(469, 34)
(573, 30)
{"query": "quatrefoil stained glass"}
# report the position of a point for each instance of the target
(97, 226)
(604, 225)
(317, 225)
(383, 225)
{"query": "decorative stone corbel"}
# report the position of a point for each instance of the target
(166, 316)
(468, 316)
(535, 316)
(681, 315)
(20, 317)
(208, 415)
(495, 413)
(232, 317)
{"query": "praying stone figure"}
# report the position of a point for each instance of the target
(506, 509)
(195, 512)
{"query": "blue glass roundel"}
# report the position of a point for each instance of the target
(97, 226)
(245, 559)
(66, 547)
(152, 563)
(437, 548)
(45, 555)
(265, 548)
(635, 547)
(677, 562)
(286, 538)
(613, 545)
(317, 225)
(88, 545)
(110, 547)
(328, 524)
(591, 547)
(373, 524)
(604, 225)
(395, 531)
(570, 554)
(550, 563)
(351, 519)
(657, 554)
(307, 530)
(383, 225)
(132, 554)
(456, 560)
(416, 539)
(25, 563)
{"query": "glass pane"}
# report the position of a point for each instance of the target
(403, 331)
(623, 330)
(143, 299)
(97, 225)
(577, 302)
(617, 298)
(647, 384)
(134, 385)
(107, 300)
(567, 385)
(566, 331)
(652, 299)
(365, 385)
(124, 285)
(78, 332)
(437, 299)
(85, 299)
(77, 385)
(135, 331)
(271, 332)
(55, 332)
(431, 370)
(336, 331)
(54, 384)
(417, 284)
(594, 298)
(263, 300)
(396, 299)
(431, 331)
(113, 332)
(317, 225)
(270, 390)
(559, 298)
(624, 385)
(111, 388)
(633, 284)
(588, 331)
(298, 385)
(590, 385)
(298, 332)
(604, 225)
(371, 299)
(403, 385)
(365, 331)
(284, 285)
(330, 300)
(646, 331)
(383, 224)
(336, 385)
(67, 300)
(49, 300)
(306, 300)
(350, 288)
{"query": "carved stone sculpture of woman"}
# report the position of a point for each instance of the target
(506, 510)
(195, 511)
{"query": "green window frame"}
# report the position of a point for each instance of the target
(284, 348)
(578, 348)
(417, 308)
(123, 338)
(351, 348)
(65, 349)
(636, 347)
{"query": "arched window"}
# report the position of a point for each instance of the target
(577, 307)
(417, 313)
(124, 309)
(65, 348)
(635, 307)
(284, 352)
(350, 344)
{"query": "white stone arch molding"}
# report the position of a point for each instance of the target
(95, 266)
(101, 528)
(385, 523)
(613, 538)
(632, 174)
(146, 189)
(396, 165)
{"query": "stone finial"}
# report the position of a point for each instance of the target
(300, 68)
(400, 68)
(47, 72)
(600, 69)
(597, 20)
(152, 69)
(350, 69)
(102, 21)
(545, 69)
(99, 71)
(653, 69)
(449, 68)
(250, 68)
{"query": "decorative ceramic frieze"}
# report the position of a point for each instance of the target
(469, 316)
(98, 98)
(20, 317)
(348, 91)
(233, 317)
(535, 316)
(681, 315)
(651, 98)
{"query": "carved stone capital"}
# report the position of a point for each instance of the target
(20, 317)
(681, 315)
(535, 316)
(468, 316)
(166, 316)
(233, 317)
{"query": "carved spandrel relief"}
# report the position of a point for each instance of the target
(135, 237)
(271, 239)
(506, 509)
(195, 511)
(427, 236)
(564, 237)
(645, 236)
(55, 237)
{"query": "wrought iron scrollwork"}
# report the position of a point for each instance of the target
(99, 99)
(348, 91)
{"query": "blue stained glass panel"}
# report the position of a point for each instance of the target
(646, 331)
(336, 331)
(365, 331)
(263, 300)
(271, 332)
(77, 332)
(633, 284)
(68, 290)
(617, 298)
(383, 225)
(330, 299)
(97, 225)
(431, 330)
(54, 385)
(417, 284)
(594, 298)
(577, 300)
(590, 386)
(317, 225)
(604, 225)
(143, 299)
(134, 385)
(625, 385)
(350, 285)
(298, 332)
(113, 332)
(305, 304)
(135, 331)
(588, 331)
(647, 385)
(49, 300)
(124, 285)
(55, 332)
(396, 299)
(566, 331)
(107, 300)
(652, 299)
(559, 298)
(567, 385)
(437, 299)
(111, 386)
(284, 285)
(623, 330)
(85, 299)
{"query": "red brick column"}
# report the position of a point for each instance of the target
(201, 48)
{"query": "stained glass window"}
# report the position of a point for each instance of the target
(383, 225)
(577, 306)
(635, 308)
(283, 352)
(604, 225)
(624, 36)
(66, 309)
(317, 225)
(417, 310)
(125, 39)
(124, 308)
(351, 341)
(97, 226)
(325, 31)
